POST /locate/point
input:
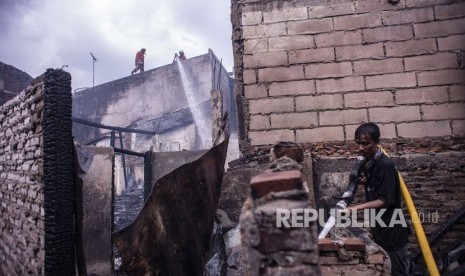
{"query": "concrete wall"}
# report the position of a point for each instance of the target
(311, 71)
(37, 180)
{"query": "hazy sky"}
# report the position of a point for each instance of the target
(40, 34)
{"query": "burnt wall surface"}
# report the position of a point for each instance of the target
(149, 100)
(36, 180)
(435, 183)
(311, 71)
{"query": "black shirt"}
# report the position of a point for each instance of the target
(383, 183)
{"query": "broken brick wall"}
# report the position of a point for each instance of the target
(36, 180)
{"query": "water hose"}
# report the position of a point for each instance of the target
(425, 249)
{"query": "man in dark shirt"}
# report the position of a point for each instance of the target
(382, 191)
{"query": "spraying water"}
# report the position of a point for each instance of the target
(202, 129)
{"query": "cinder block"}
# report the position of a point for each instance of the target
(359, 51)
(450, 11)
(372, 6)
(339, 38)
(328, 70)
(340, 85)
(281, 74)
(424, 129)
(259, 122)
(331, 10)
(457, 93)
(368, 99)
(320, 134)
(424, 3)
(252, 46)
(251, 18)
(411, 47)
(312, 26)
(292, 14)
(408, 16)
(435, 94)
(458, 127)
(255, 91)
(431, 62)
(270, 59)
(262, 31)
(453, 42)
(311, 55)
(249, 76)
(294, 42)
(443, 111)
(441, 77)
(271, 105)
(388, 131)
(391, 81)
(353, 22)
(319, 102)
(439, 28)
(294, 120)
(390, 33)
(343, 117)
(270, 137)
(395, 114)
(303, 87)
(268, 182)
(375, 67)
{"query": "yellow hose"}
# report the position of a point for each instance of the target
(425, 249)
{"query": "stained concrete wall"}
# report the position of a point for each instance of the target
(37, 180)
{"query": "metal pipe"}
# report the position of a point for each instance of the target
(420, 233)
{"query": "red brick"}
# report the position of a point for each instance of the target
(330, 260)
(359, 51)
(388, 131)
(439, 28)
(338, 38)
(252, 46)
(374, 67)
(266, 183)
(271, 105)
(312, 26)
(441, 77)
(292, 88)
(458, 127)
(252, 18)
(443, 111)
(391, 33)
(435, 94)
(394, 114)
(372, 6)
(270, 137)
(431, 62)
(391, 80)
(249, 76)
(453, 42)
(294, 120)
(343, 117)
(311, 55)
(294, 42)
(259, 122)
(328, 70)
(331, 10)
(287, 15)
(259, 31)
(265, 60)
(368, 99)
(408, 16)
(457, 93)
(255, 91)
(354, 244)
(411, 47)
(450, 11)
(352, 22)
(327, 245)
(424, 129)
(320, 134)
(281, 74)
(340, 84)
(320, 102)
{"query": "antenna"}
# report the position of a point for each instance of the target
(94, 59)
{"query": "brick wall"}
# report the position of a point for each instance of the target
(311, 71)
(36, 180)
